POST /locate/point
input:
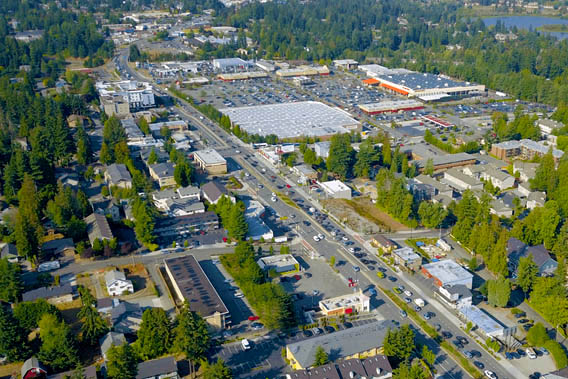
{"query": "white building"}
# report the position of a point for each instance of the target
(447, 273)
(138, 95)
(460, 181)
(117, 284)
(336, 189)
(257, 228)
(547, 126)
(322, 149)
(345, 304)
(280, 263)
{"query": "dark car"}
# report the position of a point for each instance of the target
(307, 333)
(392, 279)
(521, 352)
(519, 315)
(457, 344)
(515, 355)
(475, 353)
(535, 375)
(508, 355)
(329, 329)
(523, 321)
(479, 365)
(527, 327)
(463, 340)
(347, 325)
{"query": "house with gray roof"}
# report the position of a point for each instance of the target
(117, 284)
(33, 368)
(162, 368)
(163, 173)
(10, 252)
(213, 190)
(53, 295)
(126, 318)
(98, 227)
(117, 175)
(517, 249)
(328, 371)
(109, 340)
(54, 248)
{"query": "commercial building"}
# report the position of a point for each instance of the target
(358, 342)
(390, 106)
(336, 189)
(447, 273)
(302, 71)
(292, 120)
(486, 325)
(257, 228)
(210, 161)
(346, 304)
(437, 122)
(375, 70)
(376, 367)
(176, 226)
(231, 64)
(280, 263)
(524, 149)
(427, 86)
(138, 95)
(456, 296)
(443, 162)
(406, 257)
(213, 191)
(266, 66)
(175, 125)
(163, 173)
(305, 173)
(348, 64)
(192, 285)
(53, 295)
(230, 77)
(181, 202)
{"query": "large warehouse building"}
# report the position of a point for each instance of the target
(428, 86)
(390, 106)
(291, 120)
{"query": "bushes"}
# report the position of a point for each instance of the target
(537, 335)
(558, 353)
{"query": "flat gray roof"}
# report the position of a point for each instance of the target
(288, 120)
(489, 326)
(447, 271)
(210, 157)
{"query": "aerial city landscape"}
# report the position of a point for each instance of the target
(283, 189)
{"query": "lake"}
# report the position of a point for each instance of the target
(529, 22)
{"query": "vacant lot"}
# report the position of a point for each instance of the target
(363, 216)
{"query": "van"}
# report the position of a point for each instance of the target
(531, 354)
(246, 344)
(419, 302)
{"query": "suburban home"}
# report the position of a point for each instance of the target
(327, 371)
(98, 228)
(10, 252)
(117, 284)
(162, 368)
(58, 247)
(109, 340)
(89, 372)
(213, 190)
(517, 249)
(106, 304)
(53, 295)
(126, 318)
(163, 173)
(455, 296)
(407, 258)
(117, 175)
(32, 368)
(383, 243)
(107, 207)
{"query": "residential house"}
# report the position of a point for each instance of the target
(126, 318)
(106, 304)
(213, 190)
(500, 208)
(327, 371)
(383, 243)
(517, 249)
(162, 368)
(525, 170)
(54, 248)
(181, 202)
(117, 284)
(89, 372)
(407, 258)
(10, 252)
(33, 368)
(163, 173)
(439, 187)
(107, 207)
(98, 228)
(109, 340)
(117, 175)
(460, 181)
(54, 295)
(536, 199)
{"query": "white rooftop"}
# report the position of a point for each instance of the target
(447, 271)
(343, 301)
(279, 260)
(289, 120)
(334, 186)
(210, 157)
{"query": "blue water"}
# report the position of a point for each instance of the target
(529, 22)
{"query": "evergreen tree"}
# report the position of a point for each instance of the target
(527, 273)
(105, 155)
(340, 159)
(57, 346)
(217, 370)
(399, 344)
(153, 157)
(408, 371)
(92, 324)
(321, 357)
(238, 227)
(144, 126)
(121, 362)
(499, 292)
(431, 214)
(84, 152)
(154, 336)
(537, 335)
(191, 335)
(10, 282)
(28, 230)
(13, 341)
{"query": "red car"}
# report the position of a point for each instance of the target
(253, 318)
(288, 186)
(297, 277)
(224, 239)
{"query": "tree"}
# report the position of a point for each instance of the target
(153, 157)
(183, 173)
(291, 160)
(144, 126)
(429, 168)
(537, 335)
(428, 355)
(527, 273)
(340, 159)
(499, 292)
(154, 336)
(332, 261)
(321, 357)
(191, 335)
(28, 230)
(105, 155)
(144, 216)
(472, 264)
(407, 371)
(13, 338)
(310, 157)
(57, 346)
(399, 344)
(10, 282)
(237, 225)
(84, 152)
(217, 370)
(29, 313)
(432, 214)
(121, 362)
(92, 324)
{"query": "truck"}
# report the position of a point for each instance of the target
(419, 302)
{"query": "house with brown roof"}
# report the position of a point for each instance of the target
(383, 243)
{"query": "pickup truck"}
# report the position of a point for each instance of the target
(419, 302)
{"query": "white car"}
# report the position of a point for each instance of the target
(273, 194)
(490, 374)
(320, 236)
(408, 293)
(316, 238)
(273, 199)
(530, 353)
(352, 250)
(333, 234)
(246, 344)
(239, 295)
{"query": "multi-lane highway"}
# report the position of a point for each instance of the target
(305, 225)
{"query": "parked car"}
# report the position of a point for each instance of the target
(403, 313)
(530, 352)
(256, 326)
(246, 344)
(479, 365)
(490, 374)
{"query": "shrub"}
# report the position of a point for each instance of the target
(558, 353)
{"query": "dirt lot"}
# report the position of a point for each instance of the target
(363, 216)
